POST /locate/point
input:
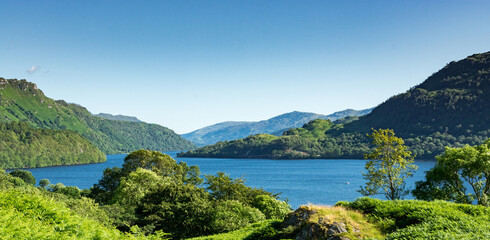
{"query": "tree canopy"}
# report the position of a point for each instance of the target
(389, 165)
(153, 192)
(456, 169)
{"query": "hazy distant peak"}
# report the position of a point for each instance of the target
(348, 112)
(118, 117)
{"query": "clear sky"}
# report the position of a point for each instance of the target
(189, 64)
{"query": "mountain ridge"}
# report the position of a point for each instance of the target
(117, 117)
(231, 130)
(450, 108)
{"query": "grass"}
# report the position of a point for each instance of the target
(413, 219)
(367, 218)
(356, 223)
(358, 226)
(243, 233)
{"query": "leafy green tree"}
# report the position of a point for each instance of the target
(389, 165)
(129, 193)
(44, 183)
(103, 190)
(70, 191)
(24, 175)
(7, 181)
(222, 187)
(180, 209)
(56, 187)
(455, 169)
(133, 187)
(162, 164)
(152, 160)
(152, 192)
(159, 163)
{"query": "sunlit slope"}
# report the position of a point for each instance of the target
(22, 101)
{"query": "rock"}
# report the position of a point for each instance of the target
(321, 230)
(308, 230)
(298, 217)
(311, 231)
(334, 230)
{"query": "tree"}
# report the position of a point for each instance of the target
(157, 162)
(44, 183)
(135, 186)
(183, 210)
(24, 175)
(222, 187)
(389, 165)
(455, 169)
(129, 193)
(162, 164)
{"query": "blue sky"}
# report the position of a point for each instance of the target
(189, 64)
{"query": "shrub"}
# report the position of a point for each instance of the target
(231, 215)
(272, 208)
(32, 216)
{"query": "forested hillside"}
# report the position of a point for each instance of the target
(450, 108)
(22, 146)
(22, 101)
(455, 100)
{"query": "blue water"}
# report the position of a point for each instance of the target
(323, 182)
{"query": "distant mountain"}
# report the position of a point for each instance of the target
(23, 101)
(117, 117)
(336, 117)
(450, 108)
(226, 131)
(347, 113)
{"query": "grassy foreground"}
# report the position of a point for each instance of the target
(243, 233)
(34, 216)
(413, 219)
(28, 212)
(356, 223)
(367, 218)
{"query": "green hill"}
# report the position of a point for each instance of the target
(25, 147)
(455, 100)
(450, 108)
(23, 101)
(310, 141)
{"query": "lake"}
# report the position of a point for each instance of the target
(318, 181)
